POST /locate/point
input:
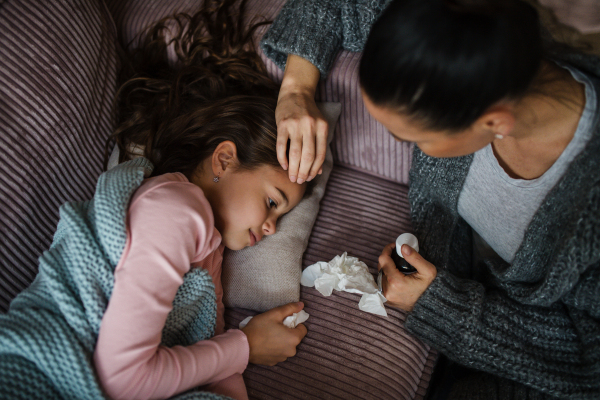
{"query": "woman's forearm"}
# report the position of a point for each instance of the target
(300, 77)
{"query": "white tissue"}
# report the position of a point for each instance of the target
(348, 274)
(296, 319)
(245, 322)
(291, 321)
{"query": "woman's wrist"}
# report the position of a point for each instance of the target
(300, 77)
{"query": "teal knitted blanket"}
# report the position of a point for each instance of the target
(48, 336)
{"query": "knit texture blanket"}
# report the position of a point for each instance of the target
(49, 334)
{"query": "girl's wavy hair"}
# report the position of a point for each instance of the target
(212, 89)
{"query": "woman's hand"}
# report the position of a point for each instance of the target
(270, 341)
(300, 121)
(403, 291)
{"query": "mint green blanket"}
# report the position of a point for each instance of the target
(48, 336)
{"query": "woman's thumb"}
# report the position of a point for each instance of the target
(416, 260)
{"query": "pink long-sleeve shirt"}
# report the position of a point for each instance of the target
(170, 226)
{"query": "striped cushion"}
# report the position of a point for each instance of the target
(347, 353)
(58, 69)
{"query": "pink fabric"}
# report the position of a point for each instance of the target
(169, 226)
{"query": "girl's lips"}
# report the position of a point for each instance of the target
(253, 239)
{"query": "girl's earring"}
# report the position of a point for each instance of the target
(498, 136)
(216, 178)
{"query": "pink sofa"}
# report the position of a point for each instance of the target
(58, 69)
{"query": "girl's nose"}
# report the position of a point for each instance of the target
(270, 226)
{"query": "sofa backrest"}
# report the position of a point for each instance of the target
(58, 71)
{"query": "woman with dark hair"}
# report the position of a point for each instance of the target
(504, 186)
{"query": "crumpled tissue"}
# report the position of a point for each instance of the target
(348, 274)
(291, 322)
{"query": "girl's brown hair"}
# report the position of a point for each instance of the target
(215, 90)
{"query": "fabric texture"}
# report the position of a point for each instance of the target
(267, 275)
(58, 71)
(583, 15)
(535, 321)
(63, 307)
(316, 30)
(170, 226)
(347, 353)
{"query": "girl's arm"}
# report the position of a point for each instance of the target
(170, 226)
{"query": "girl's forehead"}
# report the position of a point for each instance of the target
(276, 179)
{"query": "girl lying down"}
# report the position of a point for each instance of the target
(128, 299)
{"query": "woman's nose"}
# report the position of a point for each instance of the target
(270, 226)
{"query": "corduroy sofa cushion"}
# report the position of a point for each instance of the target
(58, 68)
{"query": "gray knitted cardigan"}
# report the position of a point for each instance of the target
(532, 324)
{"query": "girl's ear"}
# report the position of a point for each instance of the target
(498, 120)
(224, 158)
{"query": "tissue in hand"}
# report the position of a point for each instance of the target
(348, 274)
(290, 321)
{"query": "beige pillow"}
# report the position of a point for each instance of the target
(268, 275)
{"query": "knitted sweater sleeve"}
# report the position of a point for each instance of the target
(549, 341)
(317, 29)
(553, 349)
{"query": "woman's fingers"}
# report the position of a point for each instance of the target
(403, 291)
(300, 125)
(423, 267)
(282, 145)
(295, 151)
(322, 131)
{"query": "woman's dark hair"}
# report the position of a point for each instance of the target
(443, 62)
(213, 89)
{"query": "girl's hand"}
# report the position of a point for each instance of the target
(403, 291)
(299, 120)
(270, 341)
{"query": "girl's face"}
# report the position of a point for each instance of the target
(247, 204)
(434, 144)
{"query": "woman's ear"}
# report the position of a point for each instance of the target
(224, 158)
(499, 120)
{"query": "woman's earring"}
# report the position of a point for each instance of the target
(216, 178)
(498, 136)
